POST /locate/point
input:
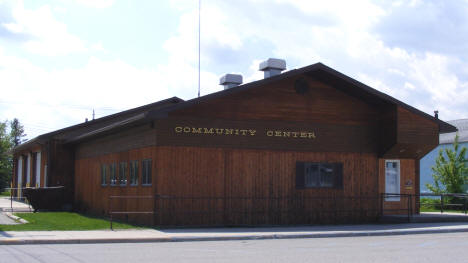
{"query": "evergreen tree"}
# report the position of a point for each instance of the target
(450, 172)
(17, 132)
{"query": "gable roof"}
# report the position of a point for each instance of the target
(97, 124)
(317, 71)
(322, 73)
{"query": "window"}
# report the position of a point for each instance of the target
(112, 176)
(319, 175)
(134, 173)
(392, 179)
(146, 172)
(123, 173)
(103, 174)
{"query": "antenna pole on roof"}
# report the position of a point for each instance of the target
(199, 29)
(93, 114)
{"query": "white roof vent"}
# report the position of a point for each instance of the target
(230, 80)
(272, 67)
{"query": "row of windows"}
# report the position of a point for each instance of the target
(111, 177)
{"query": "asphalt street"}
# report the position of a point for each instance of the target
(450, 247)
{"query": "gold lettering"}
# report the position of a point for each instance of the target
(206, 130)
(303, 135)
(294, 134)
(269, 133)
(244, 132)
(252, 132)
(286, 134)
(278, 133)
(236, 131)
(196, 130)
(311, 135)
(229, 131)
(187, 129)
(178, 129)
(219, 131)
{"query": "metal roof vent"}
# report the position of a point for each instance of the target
(272, 67)
(230, 80)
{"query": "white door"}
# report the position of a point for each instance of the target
(392, 179)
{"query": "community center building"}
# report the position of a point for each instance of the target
(309, 145)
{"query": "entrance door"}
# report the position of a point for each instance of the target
(392, 179)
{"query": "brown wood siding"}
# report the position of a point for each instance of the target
(92, 197)
(414, 129)
(247, 187)
(416, 136)
(407, 172)
(137, 137)
(267, 135)
(213, 186)
(279, 101)
(388, 129)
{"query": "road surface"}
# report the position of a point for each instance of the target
(449, 247)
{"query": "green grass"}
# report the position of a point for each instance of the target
(62, 221)
(431, 209)
(6, 193)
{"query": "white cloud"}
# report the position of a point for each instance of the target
(96, 3)
(47, 36)
(302, 32)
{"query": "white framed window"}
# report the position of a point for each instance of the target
(392, 179)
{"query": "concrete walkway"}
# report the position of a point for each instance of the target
(6, 206)
(212, 234)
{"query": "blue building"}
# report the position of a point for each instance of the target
(445, 141)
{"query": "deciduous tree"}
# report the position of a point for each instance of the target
(450, 173)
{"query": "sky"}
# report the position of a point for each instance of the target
(60, 59)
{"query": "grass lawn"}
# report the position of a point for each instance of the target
(62, 221)
(6, 193)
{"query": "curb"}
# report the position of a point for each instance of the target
(17, 219)
(19, 241)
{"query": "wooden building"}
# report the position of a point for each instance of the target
(310, 145)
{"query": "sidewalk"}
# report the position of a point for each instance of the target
(217, 234)
(6, 205)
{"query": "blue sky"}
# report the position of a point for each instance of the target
(60, 59)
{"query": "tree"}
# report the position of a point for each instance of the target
(450, 172)
(17, 132)
(6, 162)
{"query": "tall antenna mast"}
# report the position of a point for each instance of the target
(199, 29)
